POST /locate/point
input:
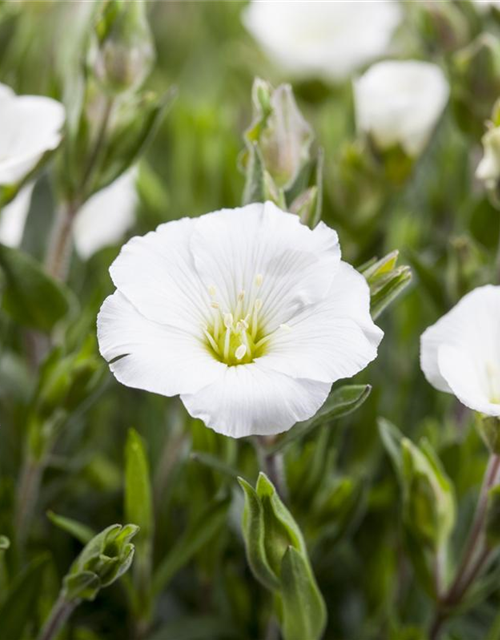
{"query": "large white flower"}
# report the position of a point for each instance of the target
(102, 221)
(323, 39)
(399, 102)
(29, 127)
(460, 354)
(246, 313)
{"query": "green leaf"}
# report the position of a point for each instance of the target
(215, 463)
(4, 543)
(492, 527)
(391, 439)
(19, 607)
(254, 186)
(78, 530)
(138, 500)
(341, 402)
(30, 296)
(304, 610)
(199, 533)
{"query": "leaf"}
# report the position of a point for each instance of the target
(304, 611)
(4, 543)
(341, 402)
(30, 296)
(254, 186)
(78, 530)
(19, 607)
(197, 628)
(138, 500)
(197, 535)
(391, 439)
(213, 462)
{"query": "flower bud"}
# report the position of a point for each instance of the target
(476, 75)
(282, 135)
(443, 25)
(429, 502)
(102, 561)
(121, 50)
(488, 170)
(386, 281)
(398, 104)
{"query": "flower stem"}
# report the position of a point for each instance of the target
(61, 611)
(473, 560)
(27, 495)
(273, 464)
(59, 253)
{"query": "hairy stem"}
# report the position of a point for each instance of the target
(61, 611)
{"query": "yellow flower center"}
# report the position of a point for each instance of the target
(238, 336)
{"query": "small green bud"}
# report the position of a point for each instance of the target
(102, 561)
(476, 82)
(121, 51)
(386, 281)
(428, 501)
(282, 135)
(443, 25)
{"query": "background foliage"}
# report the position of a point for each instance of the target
(172, 476)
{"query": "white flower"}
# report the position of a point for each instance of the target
(29, 127)
(460, 354)
(400, 102)
(323, 39)
(106, 216)
(488, 170)
(246, 313)
(102, 220)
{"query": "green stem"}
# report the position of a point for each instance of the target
(61, 611)
(59, 253)
(473, 561)
(27, 496)
(272, 464)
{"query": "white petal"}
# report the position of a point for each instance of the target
(156, 273)
(467, 380)
(252, 400)
(333, 339)
(233, 247)
(472, 327)
(30, 126)
(13, 217)
(156, 358)
(106, 216)
(322, 39)
(399, 102)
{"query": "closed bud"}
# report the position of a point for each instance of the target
(121, 50)
(443, 25)
(281, 134)
(102, 561)
(386, 281)
(429, 502)
(476, 75)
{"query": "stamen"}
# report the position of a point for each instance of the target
(240, 351)
(227, 342)
(258, 279)
(212, 291)
(286, 327)
(213, 344)
(228, 320)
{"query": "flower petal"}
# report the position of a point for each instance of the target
(153, 357)
(333, 339)
(13, 217)
(156, 273)
(252, 400)
(472, 327)
(232, 247)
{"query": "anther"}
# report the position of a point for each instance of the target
(240, 351)
(286, 327)
(258, 279)
(228, 320)
(212, 291)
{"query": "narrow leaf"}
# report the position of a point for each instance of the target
(78, 530)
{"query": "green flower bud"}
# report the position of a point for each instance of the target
(102, 561)
(121, 50)
(386, 281)
(428, 501)
(476, 82)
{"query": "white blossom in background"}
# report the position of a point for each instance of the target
(329, 40)
(106, 216)
(488, 170)
(102, 221)
(399, 102)
(29, 127)
(460, 354)
(245, 313)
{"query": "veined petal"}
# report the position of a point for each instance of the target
(253, 400)
(157, 274)
(472, 328)
(157, 358)
(333, 339)
(295, 265)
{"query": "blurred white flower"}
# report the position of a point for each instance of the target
(29, 127)
(460, 354)
(488, 170)
(102, 221)
(400, 102)
(323, 39)
(245, 313)
(106, 216)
